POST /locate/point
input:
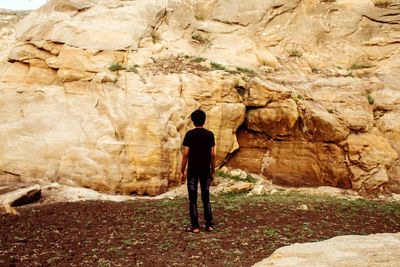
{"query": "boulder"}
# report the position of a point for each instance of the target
(277, 119)
(21, 196)
(371, 156)
(352, 250)
(322, 126)
(239, 187)
(294, 163)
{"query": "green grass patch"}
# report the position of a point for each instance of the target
(201, 38)
(245, 70)
(295, 53)
(357, 66)
(370, 99)
(116, 66)
(248, 178)
(217, 66)
(133, 68)
(199, 59)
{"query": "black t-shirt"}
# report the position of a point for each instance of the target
(200, 141)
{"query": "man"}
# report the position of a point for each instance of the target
(199, 150)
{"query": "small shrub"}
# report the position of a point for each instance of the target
(332, 110)
(201, 39)
(116, 66)
(240, 90)
(155, 37)
(297, 98)
(371, 99)
(245, 70)
(199, 59)
(248, 178)
(357, 66)
(133, 68)
(217, 66)
(315, 70)
(382, 3)
(295, 53)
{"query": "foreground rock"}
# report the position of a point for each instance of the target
(21, 196)
(355, 251)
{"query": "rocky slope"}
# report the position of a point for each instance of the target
(306, 92)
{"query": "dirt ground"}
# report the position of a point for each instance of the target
(150, 232)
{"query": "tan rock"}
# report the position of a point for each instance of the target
(101, 26)
(68, 75)
(372, 156)
(292, 163)
(389, 125)
(370, 151)
(8, 209)
(260, 93)
(239, 187)
(386, 99)
(21, 196)
(322, 126)
(84, 60)
(357, 251)
(276, 119)
(25, 52)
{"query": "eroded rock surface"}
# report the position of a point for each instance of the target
(99, 93)
(371, 250)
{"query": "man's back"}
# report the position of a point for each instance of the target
(200, 142)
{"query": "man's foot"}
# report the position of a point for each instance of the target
(209, 228)
(191, 229)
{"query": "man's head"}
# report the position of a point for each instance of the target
(198, 117)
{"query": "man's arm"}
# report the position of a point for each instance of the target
(183, 163)
(212, 162)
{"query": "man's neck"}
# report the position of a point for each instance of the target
(199, 127)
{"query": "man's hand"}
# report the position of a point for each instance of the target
(183, 178)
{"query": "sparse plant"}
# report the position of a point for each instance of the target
(245, 70)
(295, 53)
(198, 59)
(371, 99)
(103, 263)
(240, 90)
(217, 66)
(382, 3)
(155, 37)
(315, 70)
(328, 1)
(356, 66)
(248, 178)
(271, 232)
(133, 68)
(331, 110)
(297, 97)
(116, 66)
(201, 39)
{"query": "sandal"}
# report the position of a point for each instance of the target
(191, 229)
(209, 228)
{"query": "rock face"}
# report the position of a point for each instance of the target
(372, 250)
(99, 93)
(21, 196)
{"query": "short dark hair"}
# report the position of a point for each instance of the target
(198, 117)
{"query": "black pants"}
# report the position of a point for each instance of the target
(192, 182)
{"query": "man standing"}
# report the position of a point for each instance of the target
(199, 150)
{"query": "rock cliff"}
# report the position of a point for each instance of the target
(305, 92)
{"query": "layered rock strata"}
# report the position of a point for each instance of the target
(99, 93)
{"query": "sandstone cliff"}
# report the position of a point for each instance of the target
(98, 93)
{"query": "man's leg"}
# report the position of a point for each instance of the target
(192, 182)
(205, 197)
